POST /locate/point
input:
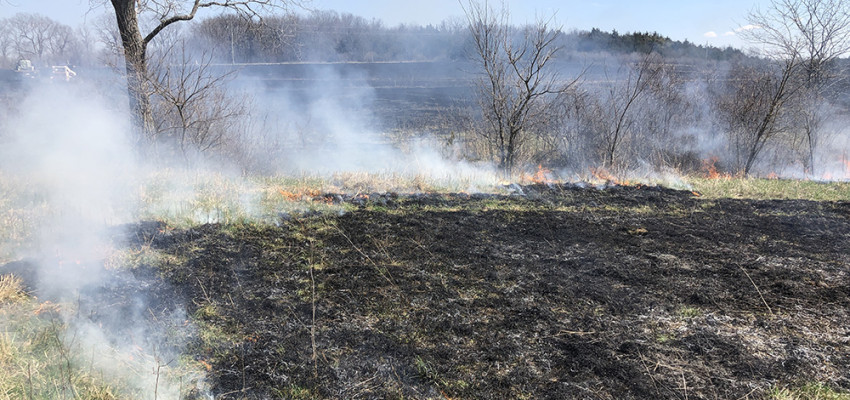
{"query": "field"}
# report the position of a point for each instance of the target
(731, 289)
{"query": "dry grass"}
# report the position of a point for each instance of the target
(22, 208)
(767, 189)
(35, 360)
(44, 357)
(183, 198)
(11, 289)
(35, 357)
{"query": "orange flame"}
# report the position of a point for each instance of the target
(602, 174)
(709, 169)
(306, 194)
(837, 175)
(609, 178)
(289, 195)
(542, 175)
(46, 307)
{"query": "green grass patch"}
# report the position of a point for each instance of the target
(769, 189)
(688, 312)
(809, 391)
(296, 392)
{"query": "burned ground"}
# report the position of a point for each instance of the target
(562, 292)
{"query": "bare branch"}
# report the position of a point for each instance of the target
(804, 38)
(167, 13)
(516, 85)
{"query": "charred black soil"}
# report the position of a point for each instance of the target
(562, 292)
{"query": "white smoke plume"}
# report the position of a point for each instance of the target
(330, 126)
(74, 151)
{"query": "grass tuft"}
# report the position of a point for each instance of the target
(35, 360)
(809, 391)
(11, 289)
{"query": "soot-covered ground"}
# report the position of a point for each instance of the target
(561, 292)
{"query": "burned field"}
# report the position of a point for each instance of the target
(562, 292)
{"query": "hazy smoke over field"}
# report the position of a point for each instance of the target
(329, 125)
(363, 108)
(75, 155)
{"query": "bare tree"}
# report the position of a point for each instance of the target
(84, 50)
(752, 108)
(192, 107)
(631, 118)
(672, 115)
(568, 141)
(6, 42)
(38, 38)
(622, 102)
(132, 15)
(238, 40)
(812, 34)
(815, 32)
(516, 82)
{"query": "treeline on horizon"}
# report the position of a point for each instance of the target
(320, 36)
(329, 36)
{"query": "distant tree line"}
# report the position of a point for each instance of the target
(42, 40)
(319, 36)
(645, 42)
(326, 36)
(330, 36)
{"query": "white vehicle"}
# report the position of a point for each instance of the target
(24, 65)
(25, 68)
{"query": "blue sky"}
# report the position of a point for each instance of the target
(700, 21)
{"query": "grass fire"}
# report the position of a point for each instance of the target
(266, 199)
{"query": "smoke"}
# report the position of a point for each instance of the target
(325, 118)
(75, 153)
(76, 157)
(327, 125)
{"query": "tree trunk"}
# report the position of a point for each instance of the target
(135, 66)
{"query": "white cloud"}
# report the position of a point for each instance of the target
(747, 28)
(710, 34)
(729, 33)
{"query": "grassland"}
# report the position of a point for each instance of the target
(773, 189)
(346, 286)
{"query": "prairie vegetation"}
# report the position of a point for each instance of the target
(314, 205)
(288, 248)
